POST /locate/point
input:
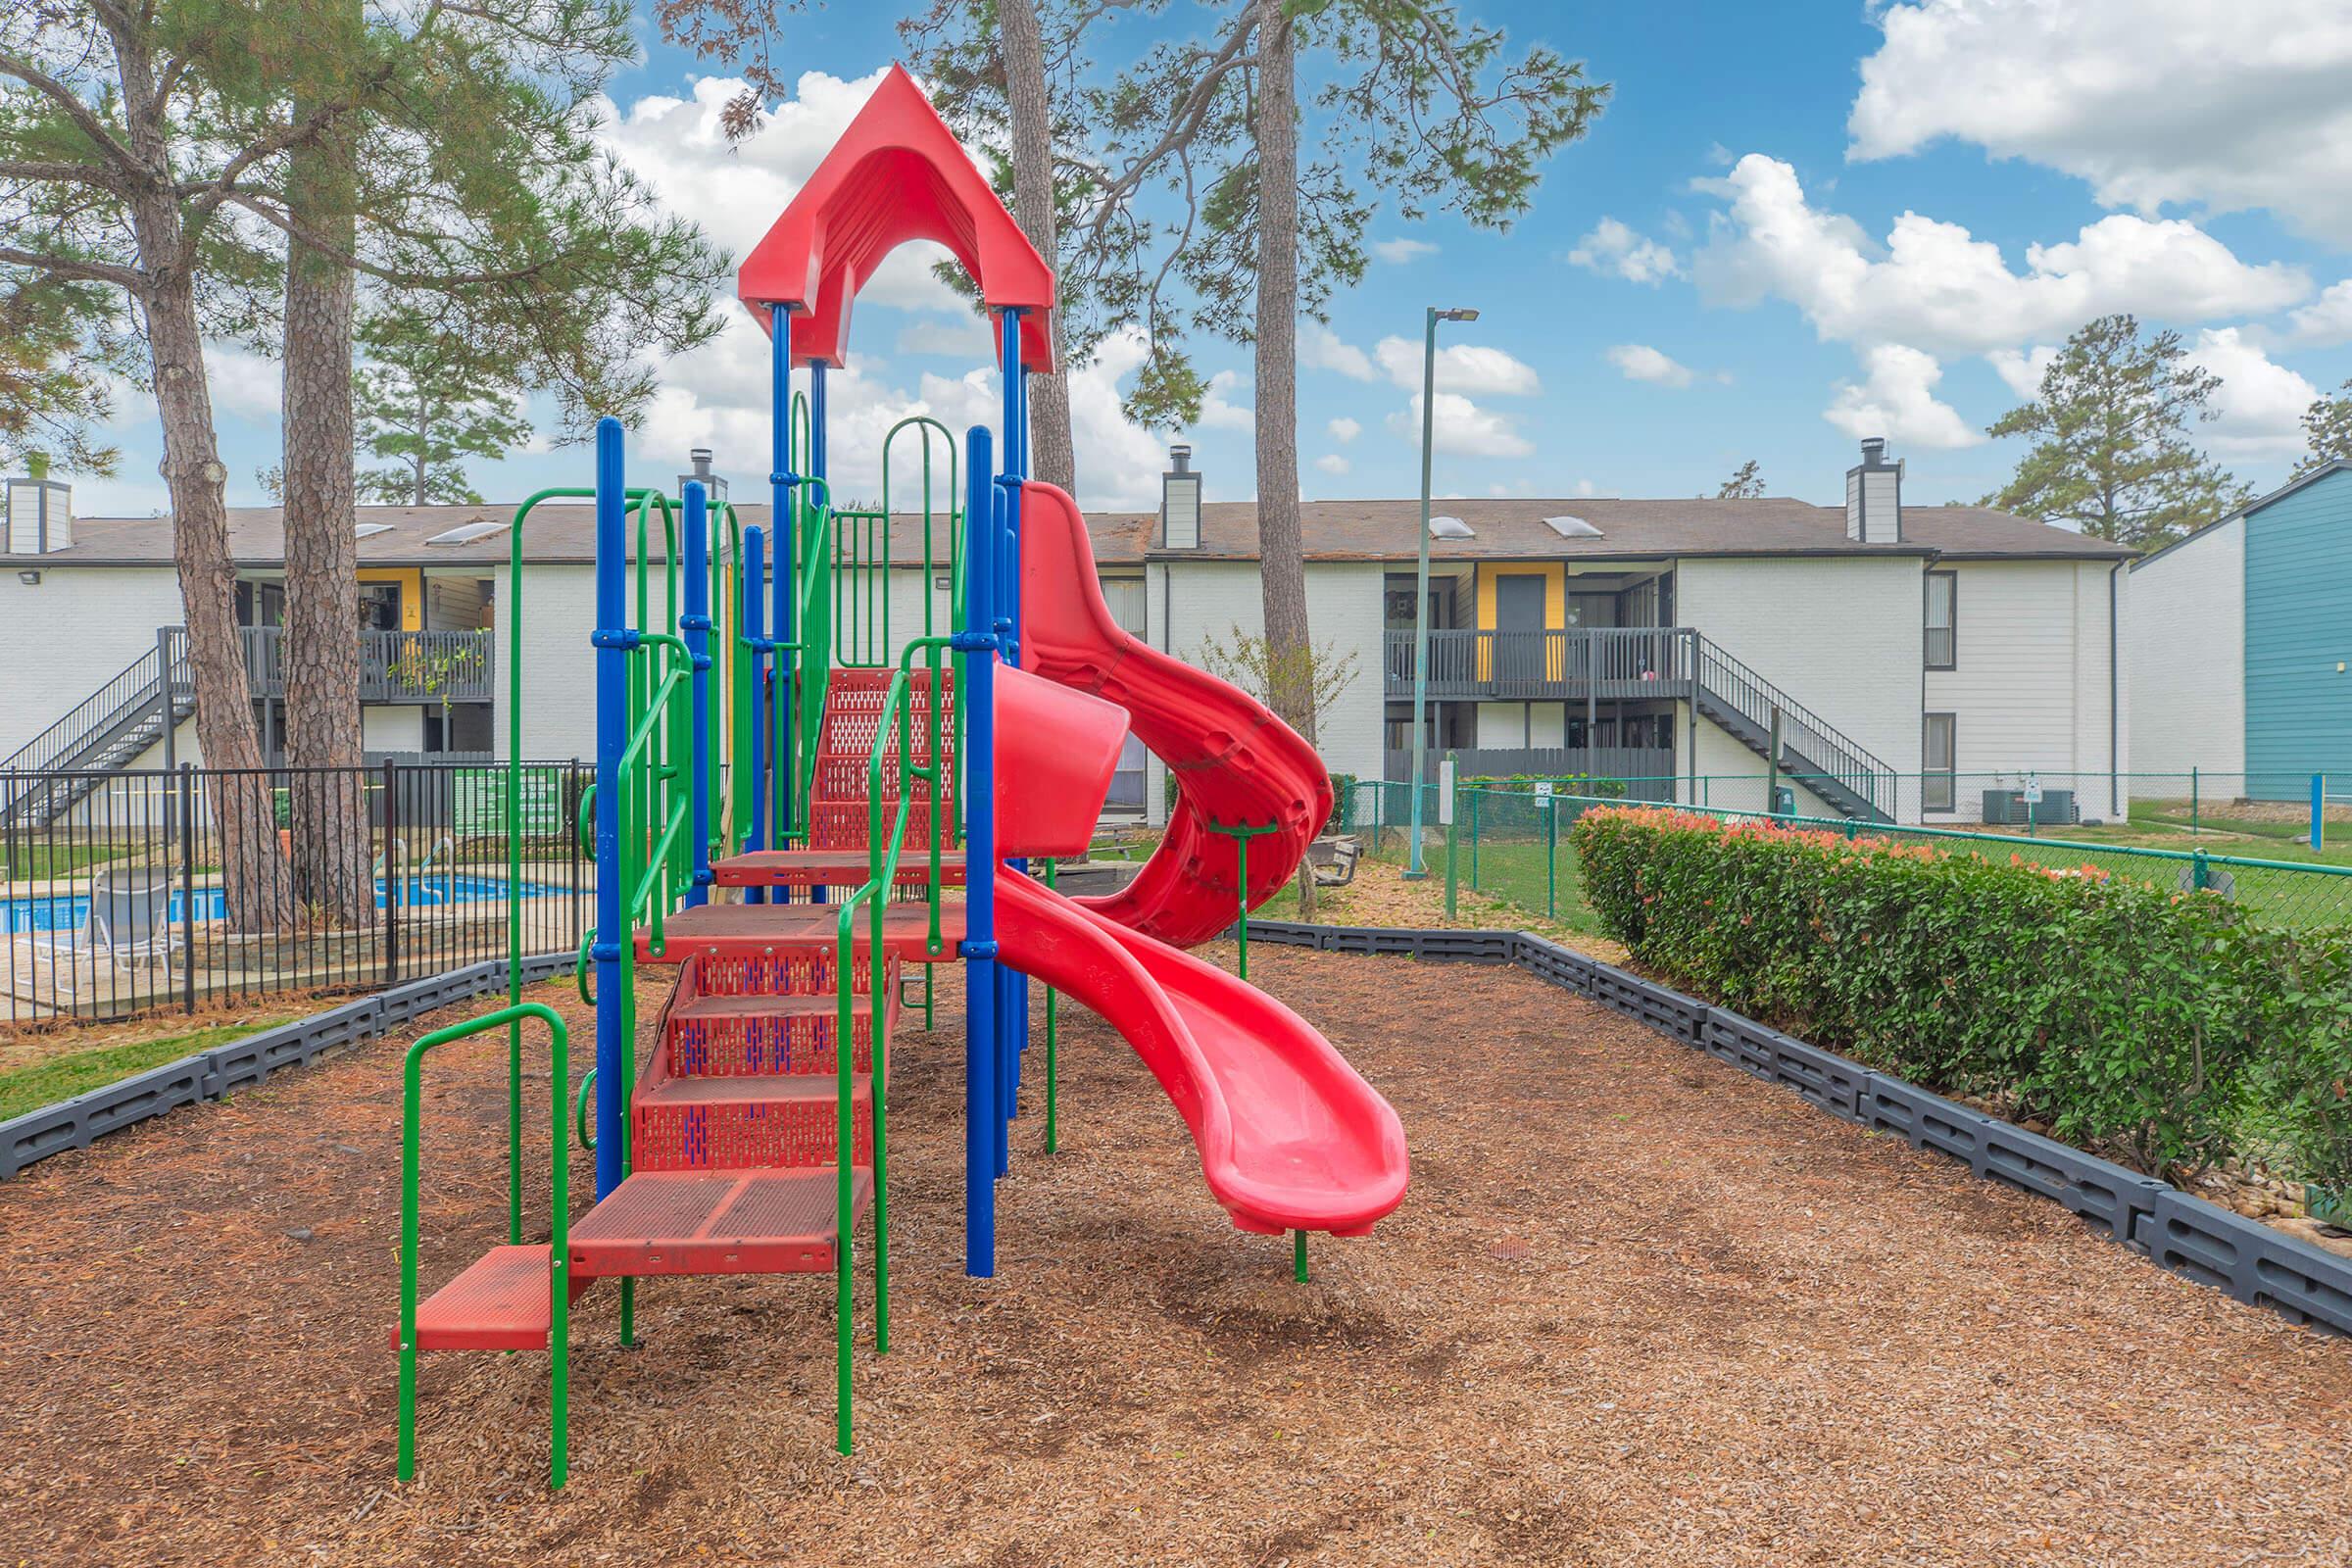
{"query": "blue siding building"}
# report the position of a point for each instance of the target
(2242, 643)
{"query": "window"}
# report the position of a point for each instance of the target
(379, 606)
(1943, 598)
(1937, 748)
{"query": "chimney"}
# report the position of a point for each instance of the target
(714, 488)
(1874, 497)
(40, 511)
(1180, 501)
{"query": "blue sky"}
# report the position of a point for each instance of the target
(1793, 225)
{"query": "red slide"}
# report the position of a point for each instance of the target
(1236, 765)
(1291, 1137)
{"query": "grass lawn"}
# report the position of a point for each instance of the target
(74, 1072)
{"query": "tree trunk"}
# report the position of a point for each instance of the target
(253, 872)
(1053, 457)
(1282, 562)
(332, 845)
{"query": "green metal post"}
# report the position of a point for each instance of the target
(559, 1236)
(1241, 837)
(1552, 858)
(2199, 873)
(1298, 1257)
(1474, 795)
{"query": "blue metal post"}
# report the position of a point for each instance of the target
(696, 625)
(977, 643)
(1014, 988)
(611, 639)
(781, 480)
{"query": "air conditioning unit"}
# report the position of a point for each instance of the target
(2008, 809)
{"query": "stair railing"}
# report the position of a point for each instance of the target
(1827, 753)
(884, 851)
(134, 687)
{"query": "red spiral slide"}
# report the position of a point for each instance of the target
(1291, 1137)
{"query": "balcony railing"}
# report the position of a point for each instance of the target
(394, 666)
(1633, 662)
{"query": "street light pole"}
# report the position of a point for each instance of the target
(1429, 404)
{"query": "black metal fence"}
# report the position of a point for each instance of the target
(147, 888)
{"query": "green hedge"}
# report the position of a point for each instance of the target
(2168, 1029)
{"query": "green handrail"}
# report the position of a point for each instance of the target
(883, 855)
(559, 1245)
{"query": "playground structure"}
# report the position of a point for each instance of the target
(786, 791)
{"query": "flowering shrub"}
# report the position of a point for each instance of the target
(2165, 1026)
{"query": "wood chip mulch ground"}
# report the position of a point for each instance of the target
(1638, 1310)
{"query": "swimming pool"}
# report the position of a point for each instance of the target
(71, 911)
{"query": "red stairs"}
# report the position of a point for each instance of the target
(734, 1124)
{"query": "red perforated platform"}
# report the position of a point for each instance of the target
(790, 1123)
(755, 930)
(713, 1222)
(829, 868)
(501, 1303)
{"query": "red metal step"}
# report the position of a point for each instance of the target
(782, 1122)
(500, 1302)
(713, 1222)
(754, 930)
(835, 868)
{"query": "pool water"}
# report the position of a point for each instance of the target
(71, 911)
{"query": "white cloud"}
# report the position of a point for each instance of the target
(1332, 463)
(736, 190)
(1344, 429)
(243, 384)
(1639, 361)
(1935, 286)
(1461, 427)
(1322, 349)
(2021, 369)
(1466, 368)
(1614, 250)
(1218, 411)
(2258, 409)
(1400, 251)
(953, 337)
(1899, 401)
(2152, 101)
(2327, 319)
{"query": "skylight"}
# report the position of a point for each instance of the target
(468, 533)
(1449, 528)
(1572, 527)
(369, 530)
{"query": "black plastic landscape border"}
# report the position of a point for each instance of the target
(2181, 1234)
(241, 1064)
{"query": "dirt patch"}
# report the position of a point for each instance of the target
(1639, 1309)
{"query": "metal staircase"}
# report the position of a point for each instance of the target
(1742, 704)
(106, 731)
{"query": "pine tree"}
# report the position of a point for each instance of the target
(2112, 456)
(428, 403)
(1745, 483)
(2328, 431)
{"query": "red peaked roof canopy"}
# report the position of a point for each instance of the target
(897, 173)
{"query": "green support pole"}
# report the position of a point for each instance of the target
(1453, 802)
(1241, 837)
(1551, 857)
(1298, 1257)
(1053, 1053)
(1474, 794)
